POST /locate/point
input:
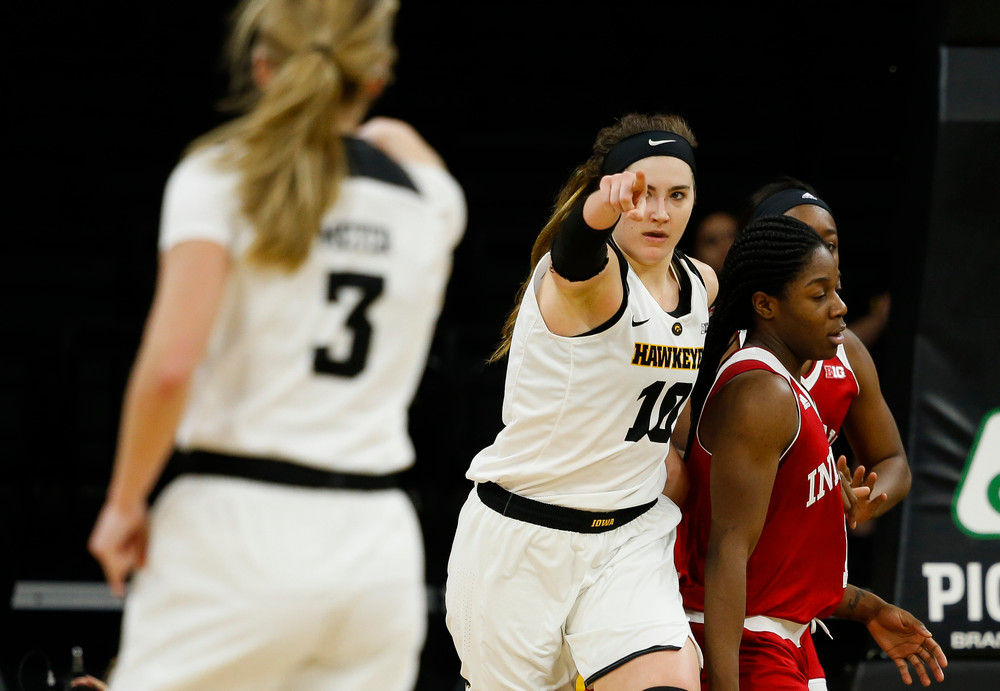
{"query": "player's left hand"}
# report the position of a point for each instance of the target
(906, 640)
(856, 491)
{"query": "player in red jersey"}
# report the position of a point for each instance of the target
(766, 542)
(845, 387)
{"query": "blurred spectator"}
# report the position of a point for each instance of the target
(712, 238)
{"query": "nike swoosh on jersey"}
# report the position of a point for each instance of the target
(635, 323)
(657, 142)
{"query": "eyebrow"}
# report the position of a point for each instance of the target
(822, 279)
(670, 189)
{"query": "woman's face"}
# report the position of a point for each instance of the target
(810, 315)
(669, 202)
(822, 222)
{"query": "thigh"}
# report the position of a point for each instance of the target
(677, 668)
(634, 604)
(510, 587)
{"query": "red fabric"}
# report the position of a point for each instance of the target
(798, 568)
(834, 389)
(767, 662)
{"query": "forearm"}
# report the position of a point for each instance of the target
(152, 411)
(859, 604)
(725, 608)
(894, 480)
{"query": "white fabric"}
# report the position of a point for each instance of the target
(571, 403)
(258, 391)
(250, 587)
(789, 630)
(535, 605)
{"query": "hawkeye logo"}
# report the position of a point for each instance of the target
(976, 506)
(666, 357)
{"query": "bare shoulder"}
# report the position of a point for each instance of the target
(711, 280)
(860, 359)
(399, 140)
(756, 408)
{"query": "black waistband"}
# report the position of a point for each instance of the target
(557, 517)
(274, 471)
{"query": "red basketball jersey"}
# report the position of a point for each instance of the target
(833, 387)
(798, 569)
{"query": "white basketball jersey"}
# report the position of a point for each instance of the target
(588, 418)
(319, 366)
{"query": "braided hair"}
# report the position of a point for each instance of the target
(769, 254)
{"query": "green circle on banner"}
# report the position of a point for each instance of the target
(993, 493)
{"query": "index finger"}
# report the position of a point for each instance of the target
(639, 184)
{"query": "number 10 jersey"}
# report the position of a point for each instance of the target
(588, 418)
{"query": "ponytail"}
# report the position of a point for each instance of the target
(288, 146)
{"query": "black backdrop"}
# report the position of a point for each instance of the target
(100, 98)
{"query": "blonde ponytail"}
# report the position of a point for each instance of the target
(288, 147)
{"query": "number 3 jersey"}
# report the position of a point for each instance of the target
(587, 419)
(319, 365)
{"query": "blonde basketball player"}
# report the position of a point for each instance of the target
(304, 259)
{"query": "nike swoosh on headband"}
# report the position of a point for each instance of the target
(655, 142)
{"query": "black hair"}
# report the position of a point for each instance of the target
(768, 255)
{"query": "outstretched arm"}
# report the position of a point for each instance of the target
(901, 635)
(584, 288)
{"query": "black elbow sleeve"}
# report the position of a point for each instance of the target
(578, 251)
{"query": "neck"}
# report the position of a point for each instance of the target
(659, 280)
(786, 357)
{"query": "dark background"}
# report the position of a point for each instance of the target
(100, 98)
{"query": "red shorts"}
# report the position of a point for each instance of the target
(769, 662)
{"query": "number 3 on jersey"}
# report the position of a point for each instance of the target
(356, 327)
(670, 406)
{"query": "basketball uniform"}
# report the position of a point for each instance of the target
(257, 585)
(834, 387)
(562, 559)
(798, 570)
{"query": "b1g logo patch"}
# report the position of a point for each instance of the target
(834, 372)
(677, 328)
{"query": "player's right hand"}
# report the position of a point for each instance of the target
(626, 193)
(118, 542)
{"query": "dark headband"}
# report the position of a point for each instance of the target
(646, 144)
(780, 202)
